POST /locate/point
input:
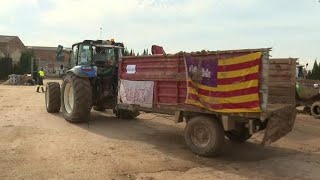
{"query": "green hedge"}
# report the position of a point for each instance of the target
(6, 67)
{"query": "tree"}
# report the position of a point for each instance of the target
(126, 52)
(145, 52)
(22, 67)
(309, 75)
(25, 62)
(17, 68)
(6, 67)
(315, 72)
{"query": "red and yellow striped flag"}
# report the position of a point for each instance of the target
(226, 85)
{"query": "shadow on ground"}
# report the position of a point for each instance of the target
(169, 140)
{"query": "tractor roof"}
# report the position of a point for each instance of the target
(101, 43)
(107, 46)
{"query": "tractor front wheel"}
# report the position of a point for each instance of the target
(53, 101)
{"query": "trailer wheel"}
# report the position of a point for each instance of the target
(76, 98)
(238, 136)
(315, 110)
(99, 107)
(53, 95)
(126, 114)
(204, 136)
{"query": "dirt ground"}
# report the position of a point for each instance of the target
(37, 145)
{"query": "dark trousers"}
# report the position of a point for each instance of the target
(40, 84)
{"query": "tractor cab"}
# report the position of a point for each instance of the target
(98, 60)
(91, 82)
(98, 56)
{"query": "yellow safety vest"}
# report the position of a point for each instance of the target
(41, 73)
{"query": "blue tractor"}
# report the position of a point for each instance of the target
(91, 82)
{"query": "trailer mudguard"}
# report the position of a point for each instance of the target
(280, 123)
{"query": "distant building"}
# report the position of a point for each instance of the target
(11, 46)
(46, 57)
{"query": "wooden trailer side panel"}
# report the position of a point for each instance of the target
(282, 81)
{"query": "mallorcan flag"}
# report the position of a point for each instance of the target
(224, 84)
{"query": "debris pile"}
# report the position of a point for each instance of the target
(16, 79)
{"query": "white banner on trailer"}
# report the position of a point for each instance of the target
(136, 92)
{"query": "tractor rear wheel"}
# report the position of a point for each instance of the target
(76, 98)
(53, 97)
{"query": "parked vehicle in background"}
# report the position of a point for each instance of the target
(307, 95)
(307, 92)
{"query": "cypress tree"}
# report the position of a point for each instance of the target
(315, 70)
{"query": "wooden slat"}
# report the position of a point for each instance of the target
(283, 61)
(275, 61)
(280, 67)
(280, 76)
(280, 91)
(278, 72)
(281, 99)
(284, 79)
(280, 84)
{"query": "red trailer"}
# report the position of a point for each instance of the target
(217, 94)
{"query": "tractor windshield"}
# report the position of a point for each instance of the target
(106, 55)
(110, 53)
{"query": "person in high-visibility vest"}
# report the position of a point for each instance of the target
(40, 80)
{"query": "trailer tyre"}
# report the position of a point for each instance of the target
(53, 97)
(238, 136)
(99, 108)
(315, 110)
(204, 136)
(76, 98)
(126, 114)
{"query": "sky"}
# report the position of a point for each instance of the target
(290, 27)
